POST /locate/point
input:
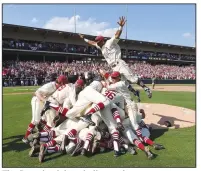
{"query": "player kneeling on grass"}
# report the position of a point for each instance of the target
(39, 98)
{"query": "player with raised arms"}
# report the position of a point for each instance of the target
(112, 54)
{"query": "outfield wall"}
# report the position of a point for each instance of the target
(72, 79)
(149, 81)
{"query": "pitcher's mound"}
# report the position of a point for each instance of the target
(157, 114)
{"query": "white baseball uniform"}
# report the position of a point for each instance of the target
(69, 124)
(121, 88)
(90, 94)
(116, 100)
(46, 90)
(63, 92)
(105, 115)
(112, 54)
(92, 130)
(63, 95)
(129, 132)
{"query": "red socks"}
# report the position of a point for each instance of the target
(116, 115)
(96, 108)
(59, 109)
(139, 144)
(29, 130)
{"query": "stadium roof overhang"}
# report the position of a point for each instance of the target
(46, 32)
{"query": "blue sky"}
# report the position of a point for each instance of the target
(172, 24)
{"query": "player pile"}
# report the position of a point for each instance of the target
(79, 119)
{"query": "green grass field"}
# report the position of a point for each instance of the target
(179, 143)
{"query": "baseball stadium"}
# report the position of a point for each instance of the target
(162, 97)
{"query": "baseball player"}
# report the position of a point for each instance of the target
(153, 82)
(120, 86)
(130, 134)
(39, 98)
(87, 135)
(106, 76)
(112, 54)
(66, 96)
(106, 116)
(90, 94)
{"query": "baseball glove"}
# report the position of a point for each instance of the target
(59, 119)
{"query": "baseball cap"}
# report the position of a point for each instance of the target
(115, 74)
(62, 79)
(80, 82)
(99, 38)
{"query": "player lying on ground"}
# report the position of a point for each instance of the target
(112, 54)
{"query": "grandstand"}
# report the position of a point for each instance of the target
(33, 50)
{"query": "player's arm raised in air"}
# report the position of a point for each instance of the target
(115, 38)
(121, 23)
(90, 42)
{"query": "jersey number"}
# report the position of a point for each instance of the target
(110, 94)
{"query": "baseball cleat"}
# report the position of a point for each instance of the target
(70, 147)
(83, 152)
(148, 153)
(94, 146)
(78, 147)
(117, 153)
(34, 150)
(87, 119)
(158, 146)
(123, 150)
(43, 150)
(31, 137)
(34, 142)
(137, 93)
(25, 140)
(64, 144)
(132, 150)
(148, 92)
(120, 126)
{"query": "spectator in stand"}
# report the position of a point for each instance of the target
(35, 70)
(71, 48)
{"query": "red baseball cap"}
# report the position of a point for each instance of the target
(115, 74)
(62, 79)
(99, 38)
(80, 82)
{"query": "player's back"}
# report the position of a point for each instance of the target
(121, 88)
(47, 89)
(114, 97)
(62, 93)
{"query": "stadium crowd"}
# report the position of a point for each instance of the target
(71, 48)
(35, 70)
